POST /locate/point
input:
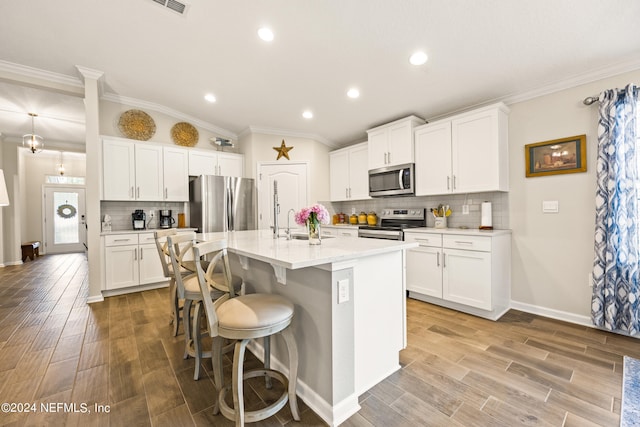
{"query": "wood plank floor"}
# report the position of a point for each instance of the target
(457, 370)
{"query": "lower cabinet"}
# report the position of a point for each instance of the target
(469, 273)
(339, 231)
(130, 260)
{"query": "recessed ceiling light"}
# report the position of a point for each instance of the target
(307, 114)
(353, 93)
(265, 34)
(418, 58)
(210, 97)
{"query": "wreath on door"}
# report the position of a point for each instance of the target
(66, 211)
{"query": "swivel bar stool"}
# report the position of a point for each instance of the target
(241, 319)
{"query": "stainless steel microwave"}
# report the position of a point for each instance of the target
(392, 181)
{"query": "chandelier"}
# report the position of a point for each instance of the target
(34, 142)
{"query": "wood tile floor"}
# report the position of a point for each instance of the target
(458, 370)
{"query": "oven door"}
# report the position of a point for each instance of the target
(392, 181)
(380, 234)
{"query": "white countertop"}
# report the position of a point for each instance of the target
(293, 254)
(464, 231)
(148, 230)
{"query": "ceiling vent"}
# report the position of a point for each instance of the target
(174, 5)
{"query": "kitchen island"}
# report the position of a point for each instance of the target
(349, 322)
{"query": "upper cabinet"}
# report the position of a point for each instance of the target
(349, 173)
(143, 171)
(464, 153)
(206, 162)
(392, 144)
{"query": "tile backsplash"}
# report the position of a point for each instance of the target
(499, 207)
(120, 212)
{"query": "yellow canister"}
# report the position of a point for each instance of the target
(372, 219)
(362, 218)
(353, 219)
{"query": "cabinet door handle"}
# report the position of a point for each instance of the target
(349, 192)
(385, 158)
(444, 260)
(463, 242)
(448, 182)
(454, 182)
(137, 192)
(135, 254)
(132, 193)
(346, 193)
(389, 157)
(437, 259)
(141, 253)
(121, 240)
(166, 193)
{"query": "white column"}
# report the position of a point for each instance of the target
(92, 92)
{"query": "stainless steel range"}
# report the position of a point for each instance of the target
(393, 222)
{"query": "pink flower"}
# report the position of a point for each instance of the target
(314, 213)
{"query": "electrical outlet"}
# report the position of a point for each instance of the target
(151, 214)
(465, 209)
(343, 291)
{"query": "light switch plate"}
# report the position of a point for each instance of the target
(465, 209)
(550, 206)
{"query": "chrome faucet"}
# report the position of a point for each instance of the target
(288, 230)
(276, 210)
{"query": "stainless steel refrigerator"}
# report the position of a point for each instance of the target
(222, 203)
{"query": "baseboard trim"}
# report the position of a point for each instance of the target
(332, 416)
(552, 313)
(94, 299)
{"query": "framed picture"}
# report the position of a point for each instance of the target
(566, 155)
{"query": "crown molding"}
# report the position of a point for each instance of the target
(578, 80)
(133, 102)
(35, 77)
(287, 132)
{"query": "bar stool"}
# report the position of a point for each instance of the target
(241, 319)
(167, 268)
(187, 288)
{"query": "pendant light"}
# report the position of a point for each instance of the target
(61, 166)
(34, 142)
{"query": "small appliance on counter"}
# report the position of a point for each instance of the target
(106, 223)
(139, 219)
(166, 220)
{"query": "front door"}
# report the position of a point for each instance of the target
(292, 192)
(64, 219)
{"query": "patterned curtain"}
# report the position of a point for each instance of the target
(614, 305)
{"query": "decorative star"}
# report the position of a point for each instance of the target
(283, 150)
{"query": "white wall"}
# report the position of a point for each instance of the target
(552, 254)
(37, 167)
(259, 148)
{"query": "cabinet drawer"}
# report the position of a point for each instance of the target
(146, 238)
(474, 243)
(121, 239)
(424, 239)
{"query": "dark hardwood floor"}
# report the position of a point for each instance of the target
(457, 370)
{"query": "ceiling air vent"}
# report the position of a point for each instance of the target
(174, 5)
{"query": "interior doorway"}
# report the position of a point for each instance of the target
(64, 225)
(292, 179)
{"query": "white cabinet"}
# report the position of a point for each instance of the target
(143, 171)
(463, 154)
(470, 273)
(349, 177)
(339, 231)
(208, 162)
(118, 170)
(392, 144)
(176, 174)
(131, 260)
(424, 264)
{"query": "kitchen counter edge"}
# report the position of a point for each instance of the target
(149, 230)
(461, 231)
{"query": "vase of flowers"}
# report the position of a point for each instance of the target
(313, 217)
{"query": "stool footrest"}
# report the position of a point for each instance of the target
(263, 413)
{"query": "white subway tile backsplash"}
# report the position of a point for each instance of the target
(499, 207)
(120, 212)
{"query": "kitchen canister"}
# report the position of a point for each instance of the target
(485, 216)
(441, 222)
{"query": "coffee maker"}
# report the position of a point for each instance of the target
(139, 219)
(166, 220)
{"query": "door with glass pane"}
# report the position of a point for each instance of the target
(64, 222)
